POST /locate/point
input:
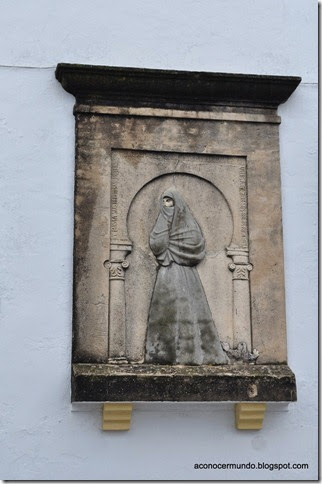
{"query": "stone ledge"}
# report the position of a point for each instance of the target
(247, 383)
(156, 87)
(211, 115)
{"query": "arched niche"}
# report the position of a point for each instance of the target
(214, 216)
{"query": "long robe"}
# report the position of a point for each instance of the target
(181, 330)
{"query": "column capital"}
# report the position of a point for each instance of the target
(240, 270)
(117, 268)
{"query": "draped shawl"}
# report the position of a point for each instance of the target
(176, 236)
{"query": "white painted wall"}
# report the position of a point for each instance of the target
(41, 438)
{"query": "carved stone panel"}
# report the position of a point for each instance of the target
(178, 237)
(140, 178)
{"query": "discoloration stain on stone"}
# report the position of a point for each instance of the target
(182, 383)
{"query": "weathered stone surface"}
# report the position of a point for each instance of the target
(100, 383)
(215, 137)
(137, 145)
(155, 86)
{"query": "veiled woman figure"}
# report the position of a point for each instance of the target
(180, 329)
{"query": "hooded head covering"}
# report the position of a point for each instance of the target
(176, 236)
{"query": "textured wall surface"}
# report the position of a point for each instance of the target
(41, 437)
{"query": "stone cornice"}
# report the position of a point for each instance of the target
(128, 86)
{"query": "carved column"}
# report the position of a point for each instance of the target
(117, 266)
(240, 268)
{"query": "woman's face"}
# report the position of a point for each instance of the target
(168, 202)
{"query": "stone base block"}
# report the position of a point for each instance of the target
(130, 383)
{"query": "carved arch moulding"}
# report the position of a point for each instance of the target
(178, 250)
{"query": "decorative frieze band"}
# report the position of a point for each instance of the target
(114, 197)
(243, 206)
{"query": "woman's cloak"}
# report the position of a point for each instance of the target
(180, 329)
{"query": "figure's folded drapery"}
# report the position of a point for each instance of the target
(181, 330)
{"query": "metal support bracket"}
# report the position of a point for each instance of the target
(117, 416)
(249, 416)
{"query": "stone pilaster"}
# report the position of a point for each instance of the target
(240, 268)
(116, 267)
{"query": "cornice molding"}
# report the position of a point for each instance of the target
(128, 86)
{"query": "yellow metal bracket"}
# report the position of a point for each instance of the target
(117, 416)
(249, 416)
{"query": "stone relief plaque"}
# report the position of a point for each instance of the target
(178, 280)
